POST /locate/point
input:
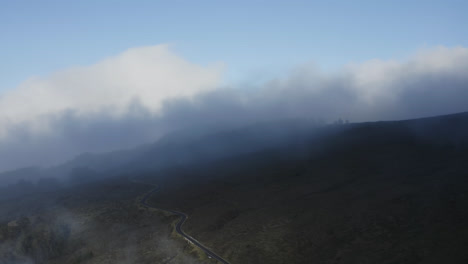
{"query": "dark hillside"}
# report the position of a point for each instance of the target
(381, 192)
(387, 192)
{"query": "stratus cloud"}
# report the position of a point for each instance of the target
(433, 82)
(92, 108)
(148, 75)
(376, 80)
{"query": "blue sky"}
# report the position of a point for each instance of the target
(255, 39)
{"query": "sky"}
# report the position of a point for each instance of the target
(83, 76)
(254, 39)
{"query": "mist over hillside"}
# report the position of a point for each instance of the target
(277, 192)
(188, 147)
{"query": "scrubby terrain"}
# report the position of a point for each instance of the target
(384, 192)
(393, 192)
(94, 223)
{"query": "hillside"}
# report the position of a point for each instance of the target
(380, 192)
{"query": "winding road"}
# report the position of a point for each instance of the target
(183, 218)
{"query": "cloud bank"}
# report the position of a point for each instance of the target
(143, 93)
(147, 75)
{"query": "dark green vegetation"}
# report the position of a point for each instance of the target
(385, 192)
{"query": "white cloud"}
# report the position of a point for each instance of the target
(431, 82)
(384, 79)
(149, 75)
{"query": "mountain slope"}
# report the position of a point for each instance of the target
(377, 192)
(385, 192)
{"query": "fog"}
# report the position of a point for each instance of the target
(145, 93)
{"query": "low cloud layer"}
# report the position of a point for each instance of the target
(146, 92)
(146, 75)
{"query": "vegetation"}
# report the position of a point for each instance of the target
(390, 192)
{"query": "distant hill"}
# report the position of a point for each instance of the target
(174, 149)
(185, 147)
